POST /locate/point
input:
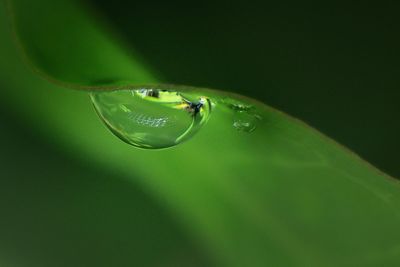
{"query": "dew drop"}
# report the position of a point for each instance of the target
(245, 117)
(152, 118)
(244, 121)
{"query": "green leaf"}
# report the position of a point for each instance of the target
(282, 195)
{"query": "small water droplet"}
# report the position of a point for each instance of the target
(245, 121)
(245, 117)
(152, 118)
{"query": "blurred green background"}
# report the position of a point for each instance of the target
(333, 65)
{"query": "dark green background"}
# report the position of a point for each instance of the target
(333, 64)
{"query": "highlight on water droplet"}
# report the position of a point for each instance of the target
(152, 118)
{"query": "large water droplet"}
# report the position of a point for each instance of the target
(152, 118)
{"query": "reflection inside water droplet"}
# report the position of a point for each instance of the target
(152, 118)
